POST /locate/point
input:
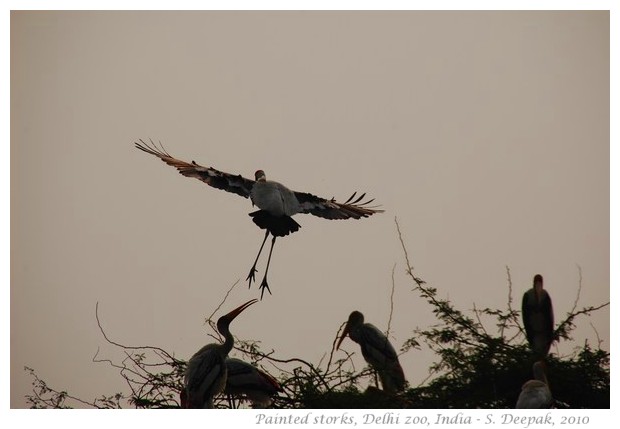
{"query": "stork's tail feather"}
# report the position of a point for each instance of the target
(393, 378)
(278, 226)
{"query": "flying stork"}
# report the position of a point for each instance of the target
(537, 312)
(206, 372)
(377, 351)
(249, 381)
(275, 201)
(536, 393)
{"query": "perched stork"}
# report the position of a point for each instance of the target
(377, 351)
(206, 371)
(247, 380)
(535, 393)
(537, 312)
(276, 202)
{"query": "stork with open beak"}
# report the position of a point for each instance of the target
(537, 312)
(275, 201)
(536, 393)
(206, 372)
(377, 351)
(246, 380)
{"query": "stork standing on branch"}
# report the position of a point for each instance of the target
(377, 351)
(276, 202)
(537, 312)
(206, 371)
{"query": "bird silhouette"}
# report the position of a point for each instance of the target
(206, 372)
(537, 313)
(276, 202)
(535, 393)
(377, 351)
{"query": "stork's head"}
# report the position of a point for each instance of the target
(224, 321)
(538, 281)
(355, 319)
(260, 176)
(538, 285)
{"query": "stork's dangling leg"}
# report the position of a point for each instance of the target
(264, 284)
(250, 278)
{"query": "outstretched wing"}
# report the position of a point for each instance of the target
(331, 209)
(218, 179)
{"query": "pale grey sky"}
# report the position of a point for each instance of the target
(485, 133)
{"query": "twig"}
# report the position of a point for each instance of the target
(572, 316)
(331, 354)
(389, 325)
(429, 295)
(208, 319)
(409, 268)
(476, 312)
(598, 338)
(509, 288)
(59, 396)
(309, 365)
(578, 290)
(164, 352)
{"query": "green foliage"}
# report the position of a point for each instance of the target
(476, 367)
(43, 396)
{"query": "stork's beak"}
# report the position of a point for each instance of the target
(237, 311)
(345, 332)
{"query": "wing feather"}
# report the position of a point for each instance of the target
(205, 376)
(236, 184)
(376, 347)
(353, 208)
(242, 375)
(548, 312)
(526, 313)
(380, 353)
